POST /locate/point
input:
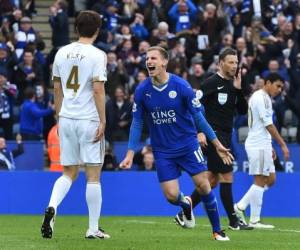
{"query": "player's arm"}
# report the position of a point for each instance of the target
(99, 97)
(204, 126)
(274, 133)
(263, 105)
(58, 95)
(135, 129)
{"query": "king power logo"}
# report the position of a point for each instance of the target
(163, 116)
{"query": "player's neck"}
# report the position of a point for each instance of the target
(160, 79)
(265, 89)
(86, 40)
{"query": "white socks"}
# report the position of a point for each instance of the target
(254, 197)
(256, 201)
(245, 201)
(94, 202)
(60, 189)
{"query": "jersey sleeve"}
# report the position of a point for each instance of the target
(137, 108)
(55, 71)
(192, 99)
(264, 109)
(99, 70)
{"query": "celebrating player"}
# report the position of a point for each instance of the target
(259, 149)
(173, 113)
(79, 73)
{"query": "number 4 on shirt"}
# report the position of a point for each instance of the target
(72, 82)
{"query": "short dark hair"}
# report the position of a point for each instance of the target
(227, 52)
(161, 50)
(273, 77)
(29, 93)
(87, 23)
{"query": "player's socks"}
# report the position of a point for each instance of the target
(211, 207)
(256, 201)
(181, 201)
(60, 189)
(94, 202)
(245, 201)
(227, 200)
(196, 198)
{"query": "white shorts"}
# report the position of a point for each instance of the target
(260, 161)
(76, 142)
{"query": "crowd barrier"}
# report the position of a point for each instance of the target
(132, 193)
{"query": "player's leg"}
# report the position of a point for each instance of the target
(264, 175)
(69, 147)
(94, 201)
(92, 154)
(210, 203)
(176, 197)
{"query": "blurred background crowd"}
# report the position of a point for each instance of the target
(265, 33)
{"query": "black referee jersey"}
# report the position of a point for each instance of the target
(221, 101)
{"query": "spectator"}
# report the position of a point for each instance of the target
(118, 117)
(28, 74)
(7, 156)
(59, 23)
(183, 14)
(31, 123)
(116, 74)
(44, 99)
(7, 60)
(110, 161)
(7, 100)
(148, 162)
(196, 75)
(154, 13)
(138, 28)
(161, 34)
(54, 150)
(25, 34)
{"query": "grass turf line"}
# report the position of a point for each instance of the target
(130, 233)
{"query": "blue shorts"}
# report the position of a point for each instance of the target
(170, 168)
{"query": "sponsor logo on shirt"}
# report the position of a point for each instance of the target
(163, 116)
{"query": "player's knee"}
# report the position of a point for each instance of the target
(71, 172)
(171, 196)
(203, 187)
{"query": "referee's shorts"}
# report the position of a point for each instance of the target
(214, 162)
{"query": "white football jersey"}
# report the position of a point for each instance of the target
(260, 114)
(78, 65)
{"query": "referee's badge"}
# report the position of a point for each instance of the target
(222, 98)
(172, 94)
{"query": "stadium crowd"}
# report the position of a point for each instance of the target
(267, 38)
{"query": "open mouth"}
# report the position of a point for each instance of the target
(151, 68)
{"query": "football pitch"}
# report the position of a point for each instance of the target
(155, 233)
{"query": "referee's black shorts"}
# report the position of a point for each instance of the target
(214, 162)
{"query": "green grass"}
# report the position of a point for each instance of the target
(23, 232)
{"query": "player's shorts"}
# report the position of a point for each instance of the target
(76, 142)
(214, 162)
(170, 168)
(260, 161)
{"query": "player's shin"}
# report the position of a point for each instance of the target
(94, 202)
(211, 207)
(60, 189)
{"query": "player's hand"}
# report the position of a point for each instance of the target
(127, 162)
(99, 132)
(202, 140)
(286, 152)
(224, 154)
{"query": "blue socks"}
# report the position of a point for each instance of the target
(211, 207)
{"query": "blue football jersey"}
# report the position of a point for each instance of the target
(168, 111)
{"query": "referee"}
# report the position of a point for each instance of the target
(222, 97)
